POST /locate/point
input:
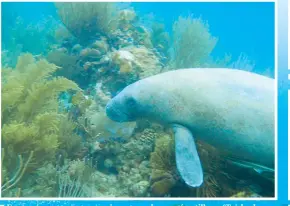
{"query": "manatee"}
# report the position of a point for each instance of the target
(230, 109)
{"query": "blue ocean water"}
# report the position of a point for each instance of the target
(242, 27)
(77, 61)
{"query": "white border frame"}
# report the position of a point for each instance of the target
(275, 100)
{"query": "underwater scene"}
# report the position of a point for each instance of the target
(135, 99)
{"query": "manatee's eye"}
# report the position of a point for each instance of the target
(131, 102)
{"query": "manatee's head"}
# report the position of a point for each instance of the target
(126, 106)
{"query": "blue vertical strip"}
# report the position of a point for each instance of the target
(283, 87)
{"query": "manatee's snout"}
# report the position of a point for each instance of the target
(112, 112)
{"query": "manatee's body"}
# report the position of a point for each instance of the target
(232, 110)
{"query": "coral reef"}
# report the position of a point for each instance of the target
(139, 60)
(77, 58)
(114, 170)
(113, 59)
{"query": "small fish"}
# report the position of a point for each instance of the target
(119, 139)
(130, 39)
(103, 140)
(262, 170)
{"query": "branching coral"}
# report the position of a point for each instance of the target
(8, 184)
(192, 42)
(212, 164)
(210, 187)
(65, 179)
(86, 20)
(72, 179)
(69, 188)
(30, 117)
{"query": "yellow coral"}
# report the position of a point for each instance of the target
(126, 67)
(163, 186)
(30, 117)
(240, 194)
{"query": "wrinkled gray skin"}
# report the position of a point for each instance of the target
(232, 110)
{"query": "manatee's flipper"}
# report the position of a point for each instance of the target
(187, 159)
